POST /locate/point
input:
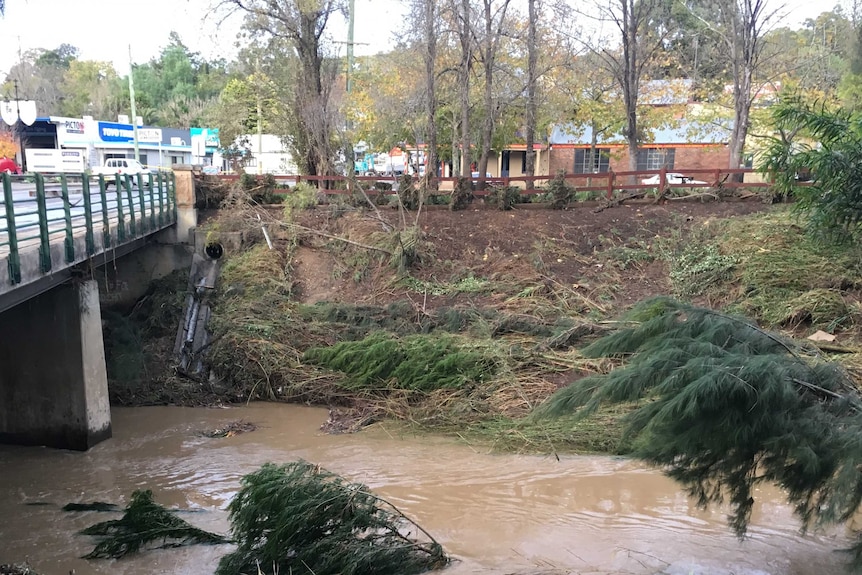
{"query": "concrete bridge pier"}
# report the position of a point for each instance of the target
(53, 382)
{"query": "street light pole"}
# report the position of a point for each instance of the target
(17, 129)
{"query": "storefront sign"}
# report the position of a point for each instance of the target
(112, 132)
(150, 135)
(51, 161)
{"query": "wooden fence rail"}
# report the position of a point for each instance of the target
(608, 182)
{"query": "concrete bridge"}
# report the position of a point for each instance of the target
(55, 233)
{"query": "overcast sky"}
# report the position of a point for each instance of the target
(103, 30)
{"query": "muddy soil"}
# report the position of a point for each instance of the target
(569, 248)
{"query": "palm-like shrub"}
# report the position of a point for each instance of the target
(826, 143)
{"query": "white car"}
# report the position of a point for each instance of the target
(121, 166)
(673, 179)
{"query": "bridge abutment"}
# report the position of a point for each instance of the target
(53, 381)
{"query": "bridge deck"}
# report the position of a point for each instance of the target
(49, 225)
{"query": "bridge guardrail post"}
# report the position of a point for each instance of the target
(161, 199)
(69, 242)
(13, 261)
(141, 202)
(44, 239)
(151, 192)
(133, 228)
(121, 217)
(106, 223)
(88, 214)
(172, 194)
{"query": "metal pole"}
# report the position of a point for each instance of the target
(134, 111)
(20, 130)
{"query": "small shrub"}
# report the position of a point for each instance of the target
(561, 192)
(408, 192)
(462, 194)
(505, 197)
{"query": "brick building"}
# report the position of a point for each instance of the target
(684, 146)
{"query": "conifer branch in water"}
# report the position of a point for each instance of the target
(723, 406)
(300, 518)
(145, 522)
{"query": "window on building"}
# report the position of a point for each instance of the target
(592, 161)
(142, 158)
(655, 158)
(249, 162)
(176, 159)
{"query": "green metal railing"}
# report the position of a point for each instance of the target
(39, 210)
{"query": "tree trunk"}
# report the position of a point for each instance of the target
(465, 38)
(530, 120)
(488, 58)
(430, 89)
(631, 81)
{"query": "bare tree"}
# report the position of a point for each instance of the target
(741, 27)
(430, 56)
(532, 58)
(631, 18)
(463, 16)
(494, 19)
(302, 23)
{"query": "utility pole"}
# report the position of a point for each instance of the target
(134, 111)
(351, 16)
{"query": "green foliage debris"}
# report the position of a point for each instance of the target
(724, 406)
(145, 523)
(300, 518)
(420, 363)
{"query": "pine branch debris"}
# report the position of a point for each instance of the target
(724, 406)
(145, 522)
(92, 506)
(300, 518)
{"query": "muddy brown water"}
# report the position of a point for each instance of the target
(497, 514)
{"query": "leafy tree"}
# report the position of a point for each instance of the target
(297, 28)
(40, 77)
(723, 407)
(92, 88)
(177, 87)
(242, 107)
(8, 146)
(828, 143)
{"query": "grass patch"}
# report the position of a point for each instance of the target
(764, 266)
(601, 433)
(419, 363)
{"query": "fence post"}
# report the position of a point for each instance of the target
(662, 181)
(13, 261)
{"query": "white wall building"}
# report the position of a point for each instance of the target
(267, 154)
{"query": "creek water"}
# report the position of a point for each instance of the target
(497, 514)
